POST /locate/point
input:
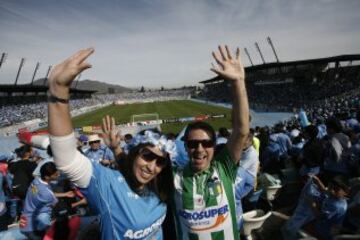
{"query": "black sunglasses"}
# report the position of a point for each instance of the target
(195, 143)
(98, 141)
(149, 156)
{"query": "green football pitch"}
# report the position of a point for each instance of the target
(166, 110)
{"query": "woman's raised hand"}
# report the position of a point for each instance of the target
(64, 73)
(111, 136)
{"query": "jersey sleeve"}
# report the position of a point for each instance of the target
(225, 161)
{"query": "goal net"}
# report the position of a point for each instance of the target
(145, 118)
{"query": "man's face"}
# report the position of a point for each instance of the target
(94, 145)
(200, 149)
(55, 176)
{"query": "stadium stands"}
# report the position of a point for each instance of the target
(288, 85)
(13, 114)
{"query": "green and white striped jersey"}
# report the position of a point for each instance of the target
(205, 201)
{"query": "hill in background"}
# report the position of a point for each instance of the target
(93, 85)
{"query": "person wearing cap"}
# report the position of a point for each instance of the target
(98, 152)
(82, 142)
(131, 200)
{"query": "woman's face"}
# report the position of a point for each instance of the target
(148, 164)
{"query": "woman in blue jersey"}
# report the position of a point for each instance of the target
(130, 202)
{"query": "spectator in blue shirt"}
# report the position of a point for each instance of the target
(99, 153)
(39, 202)
(326, 206)
(130, 202)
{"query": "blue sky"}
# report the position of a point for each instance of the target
(169, 42)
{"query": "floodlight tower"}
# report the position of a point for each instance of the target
(3, 58)
(272, 47)
(248, 55)
(258, 48)
(47, 74)
(22, 62)
(36, 69)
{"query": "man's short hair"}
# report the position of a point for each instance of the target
(202, 126)
(47, 169)
(335, 124)
(312, 131)
(21, 151)
(128, 136)
(223, 132)
(340, 182)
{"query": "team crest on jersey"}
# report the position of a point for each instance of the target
(215, 188)
(34, 189)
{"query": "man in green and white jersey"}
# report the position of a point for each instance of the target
(204, 188)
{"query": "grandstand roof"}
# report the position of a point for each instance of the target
(11, 88)
(341, 58)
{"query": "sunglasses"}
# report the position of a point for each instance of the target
(195, 143)
(94, 142)
(149, 156)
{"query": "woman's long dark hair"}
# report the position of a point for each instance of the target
(162, 184)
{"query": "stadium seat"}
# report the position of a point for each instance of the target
(271, 192)
(253, 220)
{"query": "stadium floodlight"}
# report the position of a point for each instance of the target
(258, 48)
(22, 62)
(36, 69)
(3, 58)
(248, 55)
(47, 74)
(272, 47)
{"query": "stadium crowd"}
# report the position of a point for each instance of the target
(297, 179)
(291, 158)
(291, 95)
(13, 114)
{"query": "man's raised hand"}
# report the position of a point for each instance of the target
(228, 68)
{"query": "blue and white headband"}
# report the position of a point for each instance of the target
(155, 139)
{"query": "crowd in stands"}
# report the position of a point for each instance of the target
(289, 95)
(14, 114)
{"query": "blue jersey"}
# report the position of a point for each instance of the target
(103, 153)
(244, 183)
(39, 199)
(124, 214)
(333, 211)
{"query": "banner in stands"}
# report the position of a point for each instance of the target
(201, 117)
(87, 129)
(196, 118)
